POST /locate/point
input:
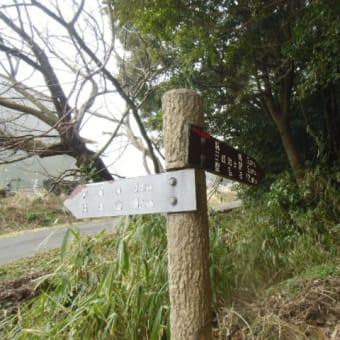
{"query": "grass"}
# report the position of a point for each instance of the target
(106, 287)
(24, 211)
(116, 287)
(43, 262)
(294, 284)
(262, 255)
(217, 197)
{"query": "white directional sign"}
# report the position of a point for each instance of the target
(173, 191)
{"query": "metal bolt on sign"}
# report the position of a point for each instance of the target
(172, 181)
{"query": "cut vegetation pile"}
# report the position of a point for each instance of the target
(313, 312)
(13, 293)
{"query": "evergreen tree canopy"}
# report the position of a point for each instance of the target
(268, 70)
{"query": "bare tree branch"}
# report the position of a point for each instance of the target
(81, 49)
(109, 76)
(48, 119)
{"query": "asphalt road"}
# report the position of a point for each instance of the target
(14, 247)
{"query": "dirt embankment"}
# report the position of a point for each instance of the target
(14, 293)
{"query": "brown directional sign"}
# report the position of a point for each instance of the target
(214, 156)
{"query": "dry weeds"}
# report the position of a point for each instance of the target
(28, 211)
(313, 313)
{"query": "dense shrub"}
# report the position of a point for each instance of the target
(291, 228)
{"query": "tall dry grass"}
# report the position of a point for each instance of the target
(28, 211)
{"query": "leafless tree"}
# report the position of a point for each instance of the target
(58, 71)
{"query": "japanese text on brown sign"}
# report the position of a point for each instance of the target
(221, 159)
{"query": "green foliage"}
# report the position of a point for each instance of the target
(239, 55)
(315, 46)
(42, 218)
(108, 287)
(27, 211)
(292, 228)
(295, 284)
(89, 172)
(284, 193)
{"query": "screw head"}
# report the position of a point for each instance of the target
(172, 181)
(173, 200)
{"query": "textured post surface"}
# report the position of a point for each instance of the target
(188, 233)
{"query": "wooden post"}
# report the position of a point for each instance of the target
(188, 232)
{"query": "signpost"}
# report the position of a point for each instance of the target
(174, 192)
(187, 232)
(167, 192)
(212, 155)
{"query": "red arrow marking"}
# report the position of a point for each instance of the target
(200, 132)
(77, 190)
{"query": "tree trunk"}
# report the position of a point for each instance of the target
(290, 146)
(85, 158)
(280, 113)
